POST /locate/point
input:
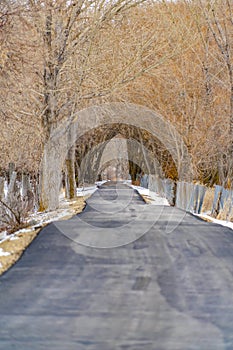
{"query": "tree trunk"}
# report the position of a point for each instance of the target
(12, 186)
(50, 177)
(70, 174)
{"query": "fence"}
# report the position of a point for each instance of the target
(191, 197)
(19, 195)
(165, 187)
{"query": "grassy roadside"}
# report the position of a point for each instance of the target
(14, 246)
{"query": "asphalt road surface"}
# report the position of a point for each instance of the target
(160, 281)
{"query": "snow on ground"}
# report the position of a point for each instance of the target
(14, 238)
(47, 217)
(154, 198)
(215, 221)
(86, 191)
(2, 253)
(3, 235)
(38, 219)
(143, 191)
(157, 200)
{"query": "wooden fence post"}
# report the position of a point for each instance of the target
(25, 184)
(11, 169)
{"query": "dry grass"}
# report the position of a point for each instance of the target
(16, 248)
(146, 199)
(22, 240)
(226, 213)
(76, 206)
(206, 219)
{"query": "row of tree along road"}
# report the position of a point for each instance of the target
(19, 197)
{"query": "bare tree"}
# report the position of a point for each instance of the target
(85, 58)
(219, 19)
(58, 57)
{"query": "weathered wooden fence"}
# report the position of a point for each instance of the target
(192, 197)
(19, 196)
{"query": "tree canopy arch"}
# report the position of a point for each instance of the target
(66, 135)
(145, 153)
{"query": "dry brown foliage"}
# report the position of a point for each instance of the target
(56, 60)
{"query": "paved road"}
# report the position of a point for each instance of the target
(170, 289)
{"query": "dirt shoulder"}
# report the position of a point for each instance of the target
(13, 246)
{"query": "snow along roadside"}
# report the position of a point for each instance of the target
(151, 197)
(209, 218)
(154, 199)
(12, 246)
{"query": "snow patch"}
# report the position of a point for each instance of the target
(46, 218)
(3, 235)
(13, 238)
(39, 219)
(2, 253)
(153, 196)
(85, 191)
(215, 221)
(143, 191)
